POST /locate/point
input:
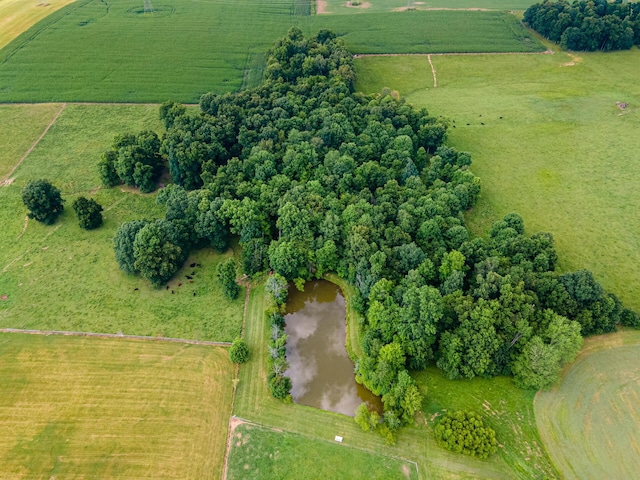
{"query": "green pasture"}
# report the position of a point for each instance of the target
(94, 408)
(507, 409)
(429, 32)
(65, 278)
(547, 141)
(343, 7)
(20, 127)
(115, 52)
(258, 453)
(589, 422)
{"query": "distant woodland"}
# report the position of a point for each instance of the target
(587, 25)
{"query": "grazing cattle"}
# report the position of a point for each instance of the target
(189, 278)
(167, 287)
(171, 292)
(194, 294)
(481, 123)
(179, 284)
(190, 281)
(192, 265)
(198, 265)
(135, 289)
(193, 273)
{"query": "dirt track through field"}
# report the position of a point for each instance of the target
(433, 70)
(233, 420)
(114, 335)
(6, 180)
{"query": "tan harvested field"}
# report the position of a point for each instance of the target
(590, 423)
(94, 408)
(16, 16)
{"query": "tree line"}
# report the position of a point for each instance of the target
(587, 25)
(313, 177)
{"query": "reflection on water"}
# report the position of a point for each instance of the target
(321, 372)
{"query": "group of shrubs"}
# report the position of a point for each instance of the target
(45, 204)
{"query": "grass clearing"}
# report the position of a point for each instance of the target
(17, 16)
(94, 408)
(589, 422)
(61, 277)
(505, 408)
(264, 453)
(186, 48)
(548, 142)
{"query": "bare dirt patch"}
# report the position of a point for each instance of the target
(321, 7)
(405, 471)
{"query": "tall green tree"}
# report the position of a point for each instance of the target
(89, 212)
(43, 200)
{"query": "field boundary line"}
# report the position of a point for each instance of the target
(114, 335)
(35, 144)
(433, 70)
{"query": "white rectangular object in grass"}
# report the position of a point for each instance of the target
(338, 439)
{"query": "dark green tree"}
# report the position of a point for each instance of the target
(239, 351)
(227, 277)
(465, 432)
(107, 169)
(157, 258)
(123, 245)
(43, 200)
(88, 212)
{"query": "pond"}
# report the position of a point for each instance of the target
(321, 372)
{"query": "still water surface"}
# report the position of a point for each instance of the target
(321, 372)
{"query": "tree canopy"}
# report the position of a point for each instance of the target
(89, 212)
(587, 25)
(43, 200)
(314, 178)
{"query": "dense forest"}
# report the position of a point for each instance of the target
(314, 178)
(587, 25)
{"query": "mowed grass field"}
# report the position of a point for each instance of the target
(508, 409)
(547, 141)
(16, 16)
(64, 278)
(590, 420)
(259, 453)
(115, 52)
(95, 408)
(343, 7)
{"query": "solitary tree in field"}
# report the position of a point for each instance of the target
(88, 212)
(239, 351)
(43, 201)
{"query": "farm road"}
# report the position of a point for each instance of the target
(114, 335)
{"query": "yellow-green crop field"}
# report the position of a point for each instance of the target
(93, 408)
